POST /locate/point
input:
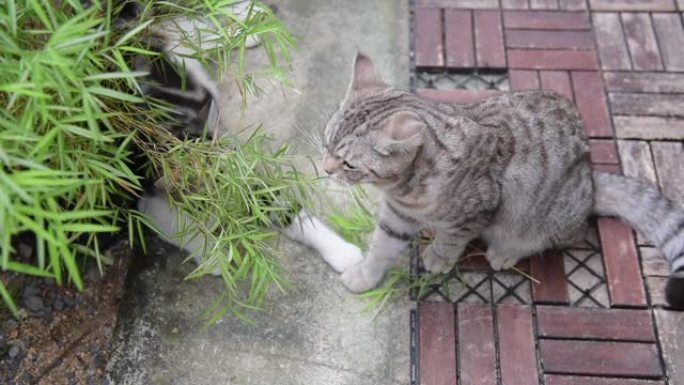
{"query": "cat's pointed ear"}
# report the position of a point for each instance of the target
(365, 75)
(402, 132)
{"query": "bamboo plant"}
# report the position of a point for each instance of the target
(71, 112)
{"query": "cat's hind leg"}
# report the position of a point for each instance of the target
(499, 260)
(503, 254)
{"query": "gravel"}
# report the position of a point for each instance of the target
(34, 303)
(14, 351)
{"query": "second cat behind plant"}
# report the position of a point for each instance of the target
(512, 169)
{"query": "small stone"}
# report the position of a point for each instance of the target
(93, 274)
(98, 362)
(69, 302)
(30, 291)
(58, 305)
(14, 351)
(174, 330)
(25, 378)
(25, 250)
(9, 325)
(71, 377)
(34, 303)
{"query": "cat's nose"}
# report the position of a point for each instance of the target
(328, 164)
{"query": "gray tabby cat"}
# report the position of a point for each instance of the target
(513, 170)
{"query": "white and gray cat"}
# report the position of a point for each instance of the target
(512, 169)
(195, 100)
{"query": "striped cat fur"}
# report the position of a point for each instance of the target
(512, 170)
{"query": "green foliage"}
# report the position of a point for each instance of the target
(71, 108)
(400, 283)
(355, 223)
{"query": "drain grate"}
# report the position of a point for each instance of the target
(473, 80)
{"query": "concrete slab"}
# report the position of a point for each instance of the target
(671, 337)
(317, 332)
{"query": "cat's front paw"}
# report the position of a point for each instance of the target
(435, 263)
(343, 256)
(359, 278)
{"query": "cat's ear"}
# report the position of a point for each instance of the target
(365, 75)
(402, 132)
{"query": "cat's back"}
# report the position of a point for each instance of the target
(546, 181)
(548, 112)
(537, 124)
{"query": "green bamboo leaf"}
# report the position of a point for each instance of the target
(12, 16)
(11, 185)
(80, 131)
(83, 39)
(7, 298)
(40, 12)
(55, 261)
(116, 75)
(118, 95)
(68, 258)
(29, 223)
(88, 228)
(27, 269)
(133, 32)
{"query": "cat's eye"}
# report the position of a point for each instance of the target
(347, 165)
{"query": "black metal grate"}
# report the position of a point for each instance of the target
(472, 80)
(477, 286)
(584, 273)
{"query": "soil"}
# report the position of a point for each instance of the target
(63, 336)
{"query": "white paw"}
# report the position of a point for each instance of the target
(357, 278)
(342, 257)
(497, 262)
(435, 263)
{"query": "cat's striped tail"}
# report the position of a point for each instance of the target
(656, 217)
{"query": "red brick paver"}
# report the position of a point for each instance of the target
(607, 324)
(557, 81)
(516, 345)
(489, 40)
(632, 5)
(600, 358)
(603, 151)
(437, 343)
(522, 80)
(573, 380)
(460, 49)
(429, 46)
(621, 263)
(552, 60)
(548, 270)
(622, 63)
(546, 20)
(476, 345)
(591, 102)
